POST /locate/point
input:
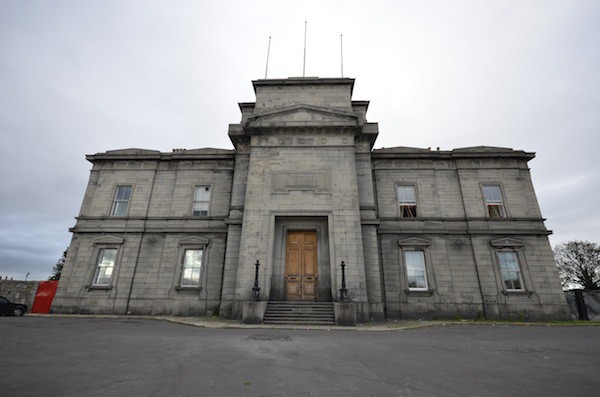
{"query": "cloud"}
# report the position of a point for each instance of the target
(84, 77)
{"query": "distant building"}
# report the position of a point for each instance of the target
(424, 233)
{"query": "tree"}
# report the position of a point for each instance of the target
(57, 269)
(578, 264)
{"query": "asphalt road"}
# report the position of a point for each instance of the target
(122, 357)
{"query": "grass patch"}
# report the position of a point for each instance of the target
(522, 322)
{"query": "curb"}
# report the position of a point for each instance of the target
(388, 326)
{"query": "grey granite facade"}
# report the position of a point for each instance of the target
(424, 234)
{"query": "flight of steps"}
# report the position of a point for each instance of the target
(300, 313)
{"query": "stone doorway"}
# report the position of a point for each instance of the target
(309, 237)
(301, 266)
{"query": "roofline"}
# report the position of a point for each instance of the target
(180, 154)
(451, 154)
(304, 81)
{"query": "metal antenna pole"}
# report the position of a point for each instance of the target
(342, 54)
(304, 61)
(268, 51)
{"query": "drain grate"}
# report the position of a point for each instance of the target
(284, 338)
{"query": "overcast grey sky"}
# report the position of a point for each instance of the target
(81, 77)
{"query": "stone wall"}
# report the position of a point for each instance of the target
(303, 160)
(460, 243)
(19, 291)
(151, 240)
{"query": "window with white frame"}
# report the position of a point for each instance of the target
(192, 265)
(120, 205)
(407, 201)
(416, 273)
(492, 195)
(510, 270)
(105, 266)
(201, 201)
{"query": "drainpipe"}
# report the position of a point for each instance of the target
(137, 257)
(379, 250)
(462, 196)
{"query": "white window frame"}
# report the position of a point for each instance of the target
(420, 244)
(185, 267)
(100, 266)
(116, 205)
(402, 203)
(505, 273)
(517, 248)
(493, 202)
(423, 269)
(192, 243)
(207, 202)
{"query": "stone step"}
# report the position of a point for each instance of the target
(299, 303)
(300, 322)
(300, 309)
(296, 314)
(299, 313)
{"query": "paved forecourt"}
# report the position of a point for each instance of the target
(139, 357)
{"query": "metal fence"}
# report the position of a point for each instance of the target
(584, 305)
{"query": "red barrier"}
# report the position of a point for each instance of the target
(44, 296)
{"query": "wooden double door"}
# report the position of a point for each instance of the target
(301, 266)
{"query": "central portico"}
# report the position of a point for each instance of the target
(301, 149)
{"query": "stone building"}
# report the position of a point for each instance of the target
(423, 234)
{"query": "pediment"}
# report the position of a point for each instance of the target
(414, 242)
(302, 115)
(108, 239)
(194, 240)
(506, 242)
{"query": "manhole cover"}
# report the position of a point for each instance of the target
(270, 337)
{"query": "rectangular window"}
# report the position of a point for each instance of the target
(105, 266)
(415, 270)
(407, 201)
(492, 195)
(192, 264)
(509, 267)
(201, 201)
(121, 202)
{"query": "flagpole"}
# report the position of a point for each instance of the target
(268, 51)
(342, 54)
(304, 61)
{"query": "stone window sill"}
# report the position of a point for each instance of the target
(419, 292)
(517, 293)
(188, 290)
(98, 287)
